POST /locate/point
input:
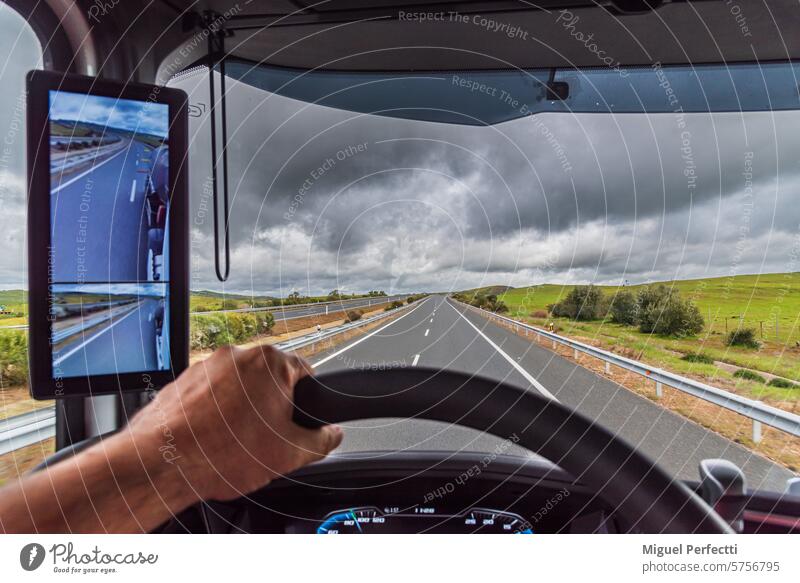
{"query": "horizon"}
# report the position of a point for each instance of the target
(259, 294)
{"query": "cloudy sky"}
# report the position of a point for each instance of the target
(19, 52)
(328, 199)
(148, 117)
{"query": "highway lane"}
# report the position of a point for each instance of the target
(123, 344)
(99, 226)
(438, 334)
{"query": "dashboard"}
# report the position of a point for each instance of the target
(414, 492)
(420, 519)
(419, 492)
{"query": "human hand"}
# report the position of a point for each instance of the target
(226, 423)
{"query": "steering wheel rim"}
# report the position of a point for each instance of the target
(640, 491)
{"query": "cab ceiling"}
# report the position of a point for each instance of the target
(351, 35)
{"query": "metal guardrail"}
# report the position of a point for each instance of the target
(35, 426)
(313, 338)
(26, 429)
(757, 411)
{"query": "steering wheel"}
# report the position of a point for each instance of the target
(648, 498)
(640, 491)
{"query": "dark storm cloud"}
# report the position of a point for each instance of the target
(326, 197)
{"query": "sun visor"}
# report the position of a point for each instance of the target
(492, 97)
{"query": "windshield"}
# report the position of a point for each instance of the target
(476, 222)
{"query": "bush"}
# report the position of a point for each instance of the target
(698, 357)
(782, 383)
(490, 302)
(744, 337)
(214, 330)
(13, 358)
(352, 315)
(393, 306)
(539, 314)
(749, 375)
(500, 307)
(230, 305)
(583, 302)
(662, 311)
(623, 308)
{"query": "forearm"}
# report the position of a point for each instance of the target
(120, 485)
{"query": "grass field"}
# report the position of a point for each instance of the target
(758, 301)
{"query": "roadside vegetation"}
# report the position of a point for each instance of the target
(210, 331)
(13, 358)
(483, 301)
(352, 316)
(709, 329)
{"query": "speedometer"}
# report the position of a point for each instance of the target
(350, 521)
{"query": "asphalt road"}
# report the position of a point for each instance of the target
(438, 334)
(126, 343)
(99, 225)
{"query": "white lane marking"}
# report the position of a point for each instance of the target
(133, 190)
(416, 360)
(82, 174)
(360, 340)
(63, 357)
(511, 361)
(426, 331)
(431, 320)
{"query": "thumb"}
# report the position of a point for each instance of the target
(318, 443)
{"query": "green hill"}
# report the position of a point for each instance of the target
(759, 300)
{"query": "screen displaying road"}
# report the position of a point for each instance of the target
(109, 206)
(109, 328)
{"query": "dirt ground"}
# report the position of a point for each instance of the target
(20, 461)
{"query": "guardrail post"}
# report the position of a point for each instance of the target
(756, 431)
(538, 338)
(326, 310)
(659, 390)
(608, 368)
(554, 344)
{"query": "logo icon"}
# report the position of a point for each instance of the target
(31, 556)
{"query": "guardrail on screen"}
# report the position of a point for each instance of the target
(35, 426)
(757, 411)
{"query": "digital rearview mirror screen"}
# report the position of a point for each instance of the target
(109, 256)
